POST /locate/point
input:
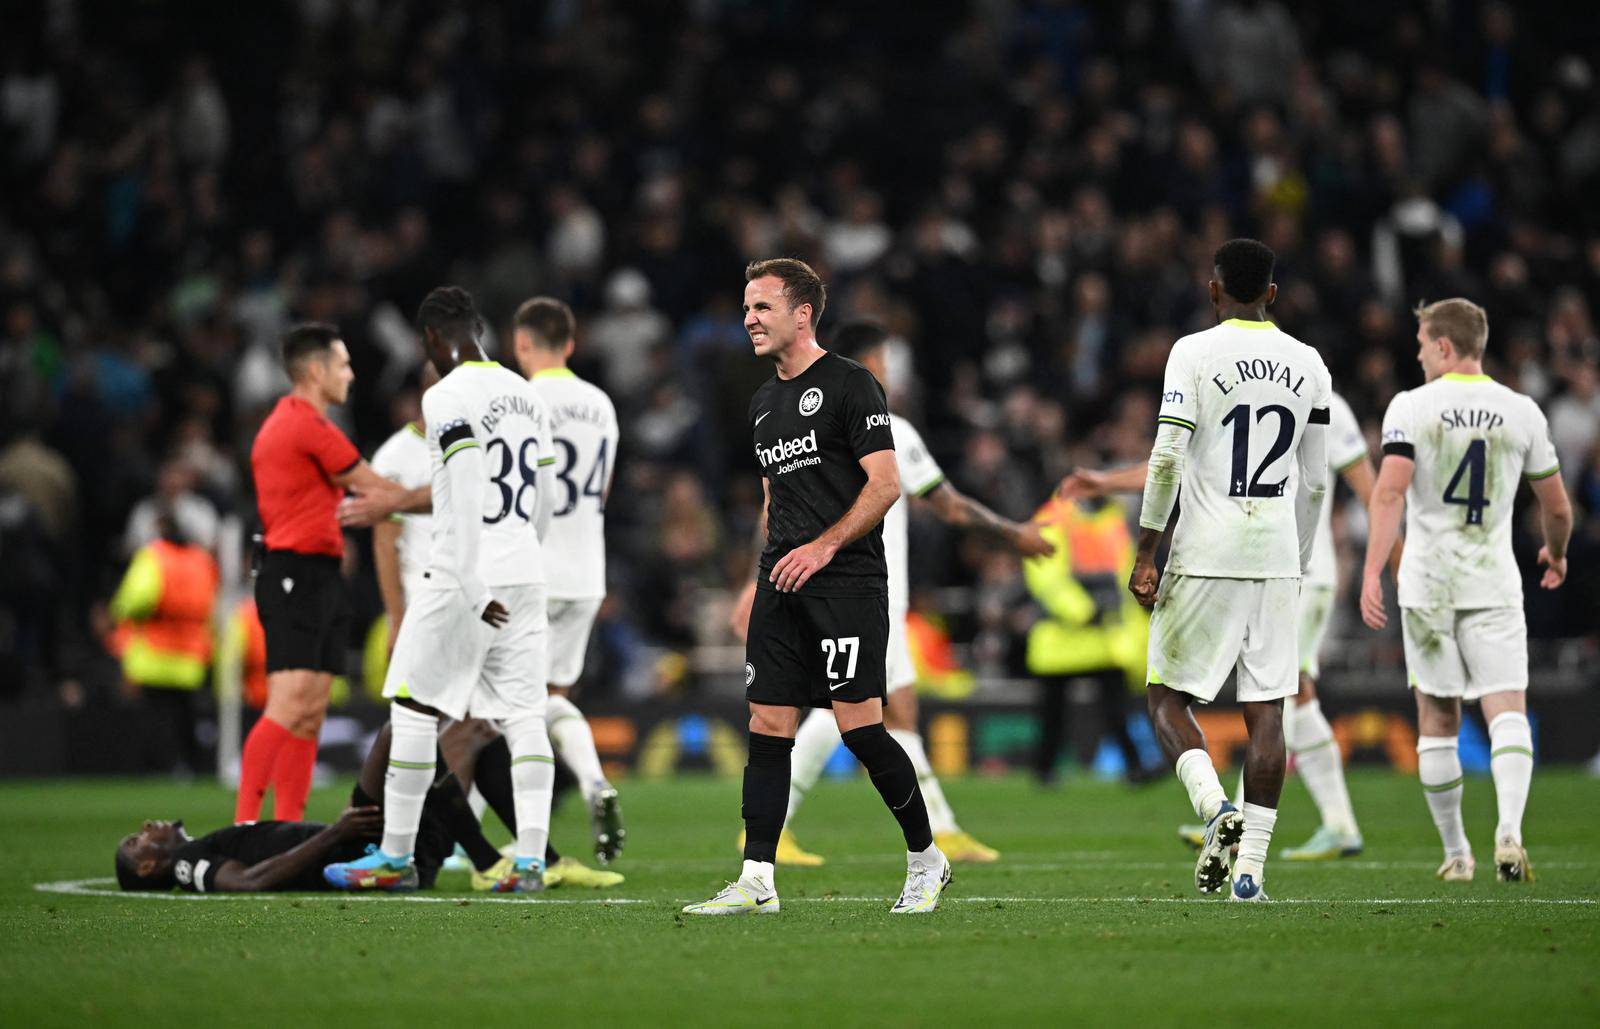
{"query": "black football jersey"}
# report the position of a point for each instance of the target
(810, 434)
(196, 863)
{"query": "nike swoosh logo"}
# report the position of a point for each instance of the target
(840, 685)
(761, 416)
(762, 902)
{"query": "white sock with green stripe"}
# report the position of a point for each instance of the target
(1439, 768)
(941, 818)
(814, 744)
(414, 737)
(572, 738)
(533, 778)
(1321, 767)
(1511, 762)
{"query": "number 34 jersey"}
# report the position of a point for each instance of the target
(1246, 391)
(1472, 441)
(484, 404)
(583, 423)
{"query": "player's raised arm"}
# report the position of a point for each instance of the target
(1097, 482)
(873, 502)
(957, 509)
(374, 498)
(1312, 456)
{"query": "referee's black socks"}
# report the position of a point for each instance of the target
(892, 773)
(766, 795)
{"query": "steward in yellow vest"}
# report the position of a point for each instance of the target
(1092, 627)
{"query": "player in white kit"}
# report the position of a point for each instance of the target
(584, 426)
(1306, 731)
(474, 640)
(1241, 430)
(1454, 451)
(400, 540)
(920, 477)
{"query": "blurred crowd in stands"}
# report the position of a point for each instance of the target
(1026, 192)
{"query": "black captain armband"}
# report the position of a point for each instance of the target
(454, 437)
(1399, 449)
(1319, 416)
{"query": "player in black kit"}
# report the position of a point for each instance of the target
(271, 856)
(819, 626)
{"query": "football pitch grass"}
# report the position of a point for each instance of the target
(1091, 917)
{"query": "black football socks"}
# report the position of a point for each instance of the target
(766, 795)
(896, 780)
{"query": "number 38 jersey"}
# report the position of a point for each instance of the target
(1472, 441)
(1246, 391)
(583, 424)
(483, 404)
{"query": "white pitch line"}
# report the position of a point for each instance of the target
(86, 888)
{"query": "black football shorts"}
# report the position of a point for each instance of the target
(304, 613)
(811, 651)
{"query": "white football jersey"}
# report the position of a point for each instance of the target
(1246, 390)
(486, 405)
(1472, 441)
(584, 425)
(404, 459)
(919, 473)
(1346, 446)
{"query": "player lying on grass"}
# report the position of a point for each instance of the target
(288, 856)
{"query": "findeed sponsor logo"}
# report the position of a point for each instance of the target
(787, 448)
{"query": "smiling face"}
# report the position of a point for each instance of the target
(772, 324)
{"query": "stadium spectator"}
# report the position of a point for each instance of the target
(1052, 179)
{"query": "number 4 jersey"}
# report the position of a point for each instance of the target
(583, 423)
(484, 406)
(1472, 441)
(1246, 391)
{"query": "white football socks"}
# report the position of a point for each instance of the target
(1199, 777)
(412, 742)
(533, 777)
(814, 744)
(759, 870)
(1439, 769)
(572, 738)
(1511, 762)
(941, 819)
(1321, 767)
(1258, 824)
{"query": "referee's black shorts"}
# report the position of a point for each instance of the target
(304, 613)
(805, 651)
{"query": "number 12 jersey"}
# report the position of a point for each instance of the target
(1246, 391)
(1472, 441)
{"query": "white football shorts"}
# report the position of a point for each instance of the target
(1465, 654)
(570, 624)
(1316, 611)
(1203, 628)
(902, 671)
(450, 659)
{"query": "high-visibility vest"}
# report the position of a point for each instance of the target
(163, 613)
(1085, 631)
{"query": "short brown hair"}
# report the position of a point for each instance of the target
(550, 320)
(304, 341)
(1465, 323)
(801, 284)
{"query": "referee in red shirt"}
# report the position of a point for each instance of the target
(302, 464)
